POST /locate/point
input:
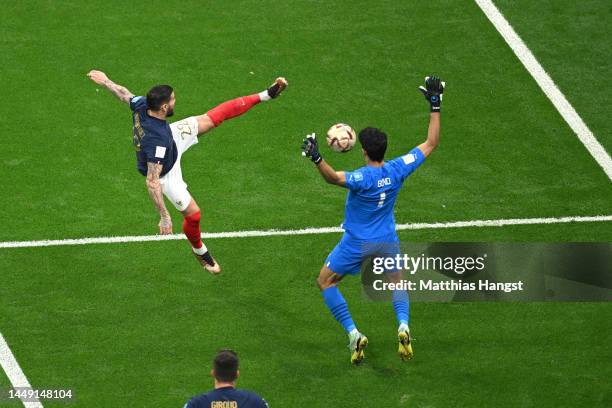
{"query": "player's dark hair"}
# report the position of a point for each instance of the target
(374, 142)
(158, 95)
(226, 366)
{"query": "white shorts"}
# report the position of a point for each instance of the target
(185, 135)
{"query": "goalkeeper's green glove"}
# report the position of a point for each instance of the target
(433, 89)
(310, 148)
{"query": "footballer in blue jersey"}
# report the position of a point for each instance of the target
(159, 147)
(369, 224)
(225, 395)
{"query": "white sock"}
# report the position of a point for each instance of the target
(353, 333)
(200, 251)
(263, 96)
(403, 327)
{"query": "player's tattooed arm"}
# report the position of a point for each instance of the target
(121, 92)
(155, 192)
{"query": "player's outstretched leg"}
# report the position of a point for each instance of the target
(191, 228)
(335, 302)
(238, 106)
(402, 311)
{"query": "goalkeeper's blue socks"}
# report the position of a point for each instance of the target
(402, 309)
(337, 305)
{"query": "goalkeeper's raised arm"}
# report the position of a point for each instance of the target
(374, 142)
(310, 149)
(433, 92)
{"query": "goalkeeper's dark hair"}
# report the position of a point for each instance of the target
(374, 142)
(226, 366)
(158, 95)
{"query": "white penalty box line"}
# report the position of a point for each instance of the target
(567, 111)
(305, 231)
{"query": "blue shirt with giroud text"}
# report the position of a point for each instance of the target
(373, 191)
(227, 397)
(152, 138)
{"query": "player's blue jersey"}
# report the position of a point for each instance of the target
(152, 138)
(373, 190)
(229, 397)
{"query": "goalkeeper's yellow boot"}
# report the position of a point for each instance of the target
(405, 345)
(357, 345)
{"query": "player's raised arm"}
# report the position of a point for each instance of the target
(310, 149)
(433, 90)
(155, 191)
(121, 92)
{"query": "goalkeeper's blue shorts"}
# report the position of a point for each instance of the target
(347, 256)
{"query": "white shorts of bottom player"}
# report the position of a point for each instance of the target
(185, 135)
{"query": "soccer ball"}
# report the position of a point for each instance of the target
(341, 137)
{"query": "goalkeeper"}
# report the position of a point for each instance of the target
(369, 220)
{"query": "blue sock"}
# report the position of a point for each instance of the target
(337, 305)
(400, 304)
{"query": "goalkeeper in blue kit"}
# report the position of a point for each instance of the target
(369, 220)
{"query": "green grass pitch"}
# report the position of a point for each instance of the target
(137, 324)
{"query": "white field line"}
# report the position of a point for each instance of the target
(14, 372)
(305, 231)
(545, 82)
